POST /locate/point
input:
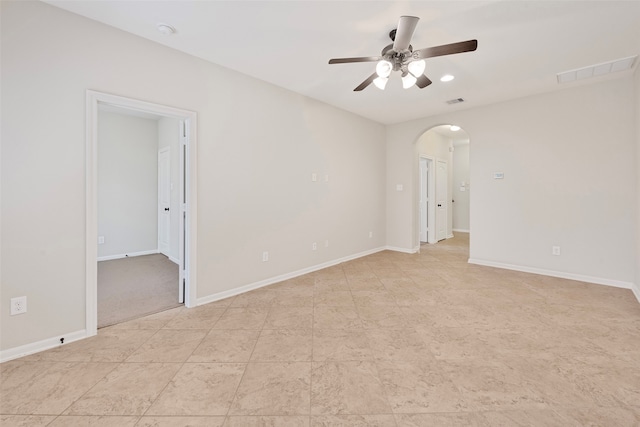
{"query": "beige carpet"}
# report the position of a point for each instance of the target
(129, 288)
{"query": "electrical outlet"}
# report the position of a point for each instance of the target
(18, 305)
(370, 234)
(101, 240)
(265, 256)
(314, 246)
(555, 250)
(326, 243)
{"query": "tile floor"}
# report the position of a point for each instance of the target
(386, 340)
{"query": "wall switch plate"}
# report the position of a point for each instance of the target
(314, 177)
(370, 234)
(555, 250)
(399, 187)
(314, 246)
(326, 243)
(18, 305)
(101, 240)
(265, 256)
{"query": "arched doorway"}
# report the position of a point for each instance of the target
(442, 190)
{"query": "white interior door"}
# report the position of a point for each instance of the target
(424, 200)
(164, 200)
(442, 177)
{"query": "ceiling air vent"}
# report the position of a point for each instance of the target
(455, 101)
(596, 70)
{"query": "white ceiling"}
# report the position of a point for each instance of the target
(522, 45)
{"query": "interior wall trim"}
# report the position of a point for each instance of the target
(403, 250)
(552, 273)
(42, 345)
(636, 291)
(128, 255)
(270, 281)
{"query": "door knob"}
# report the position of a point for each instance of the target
(166, 209)
(439, 205)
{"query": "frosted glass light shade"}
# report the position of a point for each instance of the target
(383, 69)
(416, 67)
(381, 82)
(408, 81)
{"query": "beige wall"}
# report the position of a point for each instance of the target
(637, 118)
(127, 184)
(569, 163)
(461, 174)
(257, 147)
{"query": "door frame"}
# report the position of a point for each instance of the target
(161, 213)
(431, 213)
(446, 199)
(188, 196)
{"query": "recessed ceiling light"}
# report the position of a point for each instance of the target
(165, 28)
(454, 128)
(446, 78)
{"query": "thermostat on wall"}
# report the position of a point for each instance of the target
(498, 175)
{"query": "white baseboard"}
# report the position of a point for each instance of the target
(460, 230)
(636, 291)
(449, 236)
(403, 250)
(129, 255)
(560, 274)
(174, 260)
(270, 281)
(36, 347)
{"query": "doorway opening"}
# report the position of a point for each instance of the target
(140, 201)
(443, 184)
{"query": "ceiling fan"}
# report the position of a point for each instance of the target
(400, 56)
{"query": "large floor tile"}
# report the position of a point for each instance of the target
(353, 421)
(172, 421)
(26, 420)
(274, 389)
(283, 345)
(267, 421)
(129, 389)
(169, 345)
(397, 344)
(226, 345)
(200, 389)
(242, 318)
(93, 421)
(202, 317)
(298, 317)
(336, 318)
(46, 387)
(347, 388)
(418, 387)
(340, 344)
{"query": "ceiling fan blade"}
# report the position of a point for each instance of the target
(423, 81)
(366, 83)
(361, 59)
(446, 49)
(406, 27)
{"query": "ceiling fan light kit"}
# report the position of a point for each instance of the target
(381, 82)
(400, 56)
(408, 80)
